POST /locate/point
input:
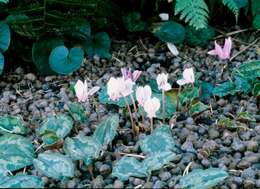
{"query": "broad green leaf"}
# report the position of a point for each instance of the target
(77, 111)
(225, 89)
(12, 124)
(241, 3)
(133, 22)
(22, 181)
(250, 70)
(199, 37)
(55, 128)
(157, 161)
(4, 1)
(82, 147)
(64, 61)
(99, 45)
(104, 99)
(188, 94)
(5, 36)
(227, 123)
(160, 140)
(206, 90)
(16, 152)
(197, 108)
(256, 21)
(106, 130)
(40, 57)
(2, 63)
(203, 179)
(54, 165)
(242, 84)
(245, 116)
(170, 32)
(256, 89)
(128, 167)
(83, 31)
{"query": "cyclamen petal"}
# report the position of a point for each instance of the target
(188, 75)
(227, 48)
(164, 16)
(93, 90)
(126, 87)
(127, 74)
(151, 106)
(162, 82)
(181, 82)
(113, 88)
(222, 53)
(143, 94)
(81, 91)
(173, 49)
(136, 75)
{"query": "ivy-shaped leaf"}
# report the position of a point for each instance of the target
(256, 90)
(84, 148)
(245, 116)
(133, 22)
(197, 108)
(157, 161)
(160, 140)
(16, 152)
(242, 84)
(55, 128)
(227, 123)
(250, 70)
(2, 63)
(188, 94)
(64, 61)
(22, 181)
(12, 124)
(128, 167)
(5, 36)
(54, 165)
(203, 179)
(106, 130)
(77, 111)
(225, 89)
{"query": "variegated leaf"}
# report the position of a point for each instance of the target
(22, 181)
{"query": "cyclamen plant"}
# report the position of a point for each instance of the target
(222, 53)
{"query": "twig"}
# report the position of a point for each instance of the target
(223, 34)
(186, 170)
(244, 49)
(131, 155)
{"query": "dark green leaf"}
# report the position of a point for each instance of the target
(40, 57)
(256, 21)
(78, 113)
(133, 22)
(54, 165)
(106, 130)
(245, 116)
(242, 84)
(2, 63)
(160, 140)
(206, 90)
(188, 94)
(16, 152)
(241, 3)
(170, 31)
(128, 167)
(203, 179)
(250, 70)
(64, 61)
(224, 89)
(197, 108)
(256, 89)
(12, 124)
(227, 123)
(4, 1)
(5, 37)
(22, 181)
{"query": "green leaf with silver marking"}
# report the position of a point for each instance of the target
(106, 130)
(160, 140)
(16, 152)
(54, 165)
(245, 116)
(198, 108)
(55, 128)
(227, 123)
(225, 89)
(77, 111)
(203, 179)
(22, 181)
(128, 167)
(81, 147)
(12, 124)
(188, 94)
(256, 90)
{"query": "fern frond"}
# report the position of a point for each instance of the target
(193, 11)
(232, 5)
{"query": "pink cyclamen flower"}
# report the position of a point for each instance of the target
(119, 87)
(222, 53)
(82, 91)
(188, 77)
(127, 74)
(162, 82)
(151, 106)
(143, 94)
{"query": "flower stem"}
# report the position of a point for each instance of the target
(179, 90)
(131, 116)
(163, 105)
(133, 100)
(151, 119)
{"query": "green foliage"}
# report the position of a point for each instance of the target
(203, 179)
(98, 45)
(245, 116)
(224, 89)
(227, 123)
(206, 90)
(159, 141)
(188, 94)
(22, 181)
(242, 84)
(256, 90)
(55, 128)
(128, 167)
(81, 147)
(77, 111)
(12, 124)
(233, 6)
(16, 152)
(4, 1)
(106, 130)
(255, 7)
(2, 62)
(4, 42)
(64, 61)
(193, 11)
(199, 37)
(133, 22)
(250, 70)
(256, 21)
(170, 31)
(54, 165)
(197, 108)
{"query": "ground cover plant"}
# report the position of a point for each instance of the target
(140, 94)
